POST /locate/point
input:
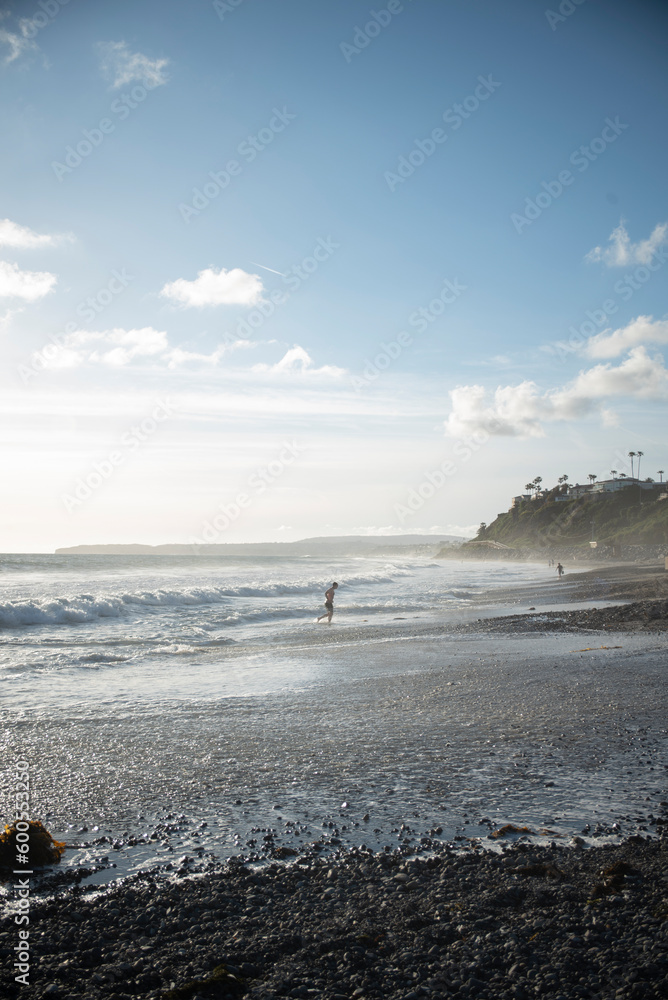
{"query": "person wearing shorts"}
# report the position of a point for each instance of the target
(329, 604)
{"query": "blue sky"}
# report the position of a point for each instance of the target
(277, 270)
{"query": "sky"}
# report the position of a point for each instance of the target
(277, 270)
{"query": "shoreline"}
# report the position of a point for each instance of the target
(475, 916)
(617, 582)
(637, 599)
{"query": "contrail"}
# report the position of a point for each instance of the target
(267, 268)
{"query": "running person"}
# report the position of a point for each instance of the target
(329, 604)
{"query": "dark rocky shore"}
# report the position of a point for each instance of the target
(554, 922)
(639, 616)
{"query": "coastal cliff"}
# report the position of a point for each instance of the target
(599, 523)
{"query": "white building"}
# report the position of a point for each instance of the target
(613, 485)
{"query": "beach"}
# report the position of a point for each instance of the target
(548, 922)
(326, 817)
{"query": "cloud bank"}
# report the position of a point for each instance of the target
(522, 410)
(119, 348)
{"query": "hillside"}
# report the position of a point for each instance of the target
(328, 545)
(627, 517)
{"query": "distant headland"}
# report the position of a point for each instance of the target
(324, 545)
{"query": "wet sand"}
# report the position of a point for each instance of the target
(607, 582)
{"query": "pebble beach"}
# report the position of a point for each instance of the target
(554, 922)
(491, 822)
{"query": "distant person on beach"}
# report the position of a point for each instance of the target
(329, 604)
(560, 570)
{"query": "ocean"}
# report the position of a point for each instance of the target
(176, 710)
(124, 630)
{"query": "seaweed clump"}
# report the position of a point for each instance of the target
(510, 828)
(221, 982)
(42, 848)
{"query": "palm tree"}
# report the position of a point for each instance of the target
(592, 477)
(659, 473)
(613, 472)
(632, 456)
(529, 487)
(640, 455)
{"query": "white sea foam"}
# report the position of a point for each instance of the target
(84, 608)
(62, 611)
(103, 658)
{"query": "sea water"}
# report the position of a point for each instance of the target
(80, 629)
(193, 704)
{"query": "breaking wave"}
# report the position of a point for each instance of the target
(84, 608)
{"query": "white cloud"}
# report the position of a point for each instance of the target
(118, 348)
(216, 288)
(7, 317)
(123, 67)
(297, 361)
(621, 252)
(640, 376)
(18, 44)
(514, 412)
(642, 330)
(177, 356)
(28, 285)
(22, 238)
(521, 410)
(114, 348)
